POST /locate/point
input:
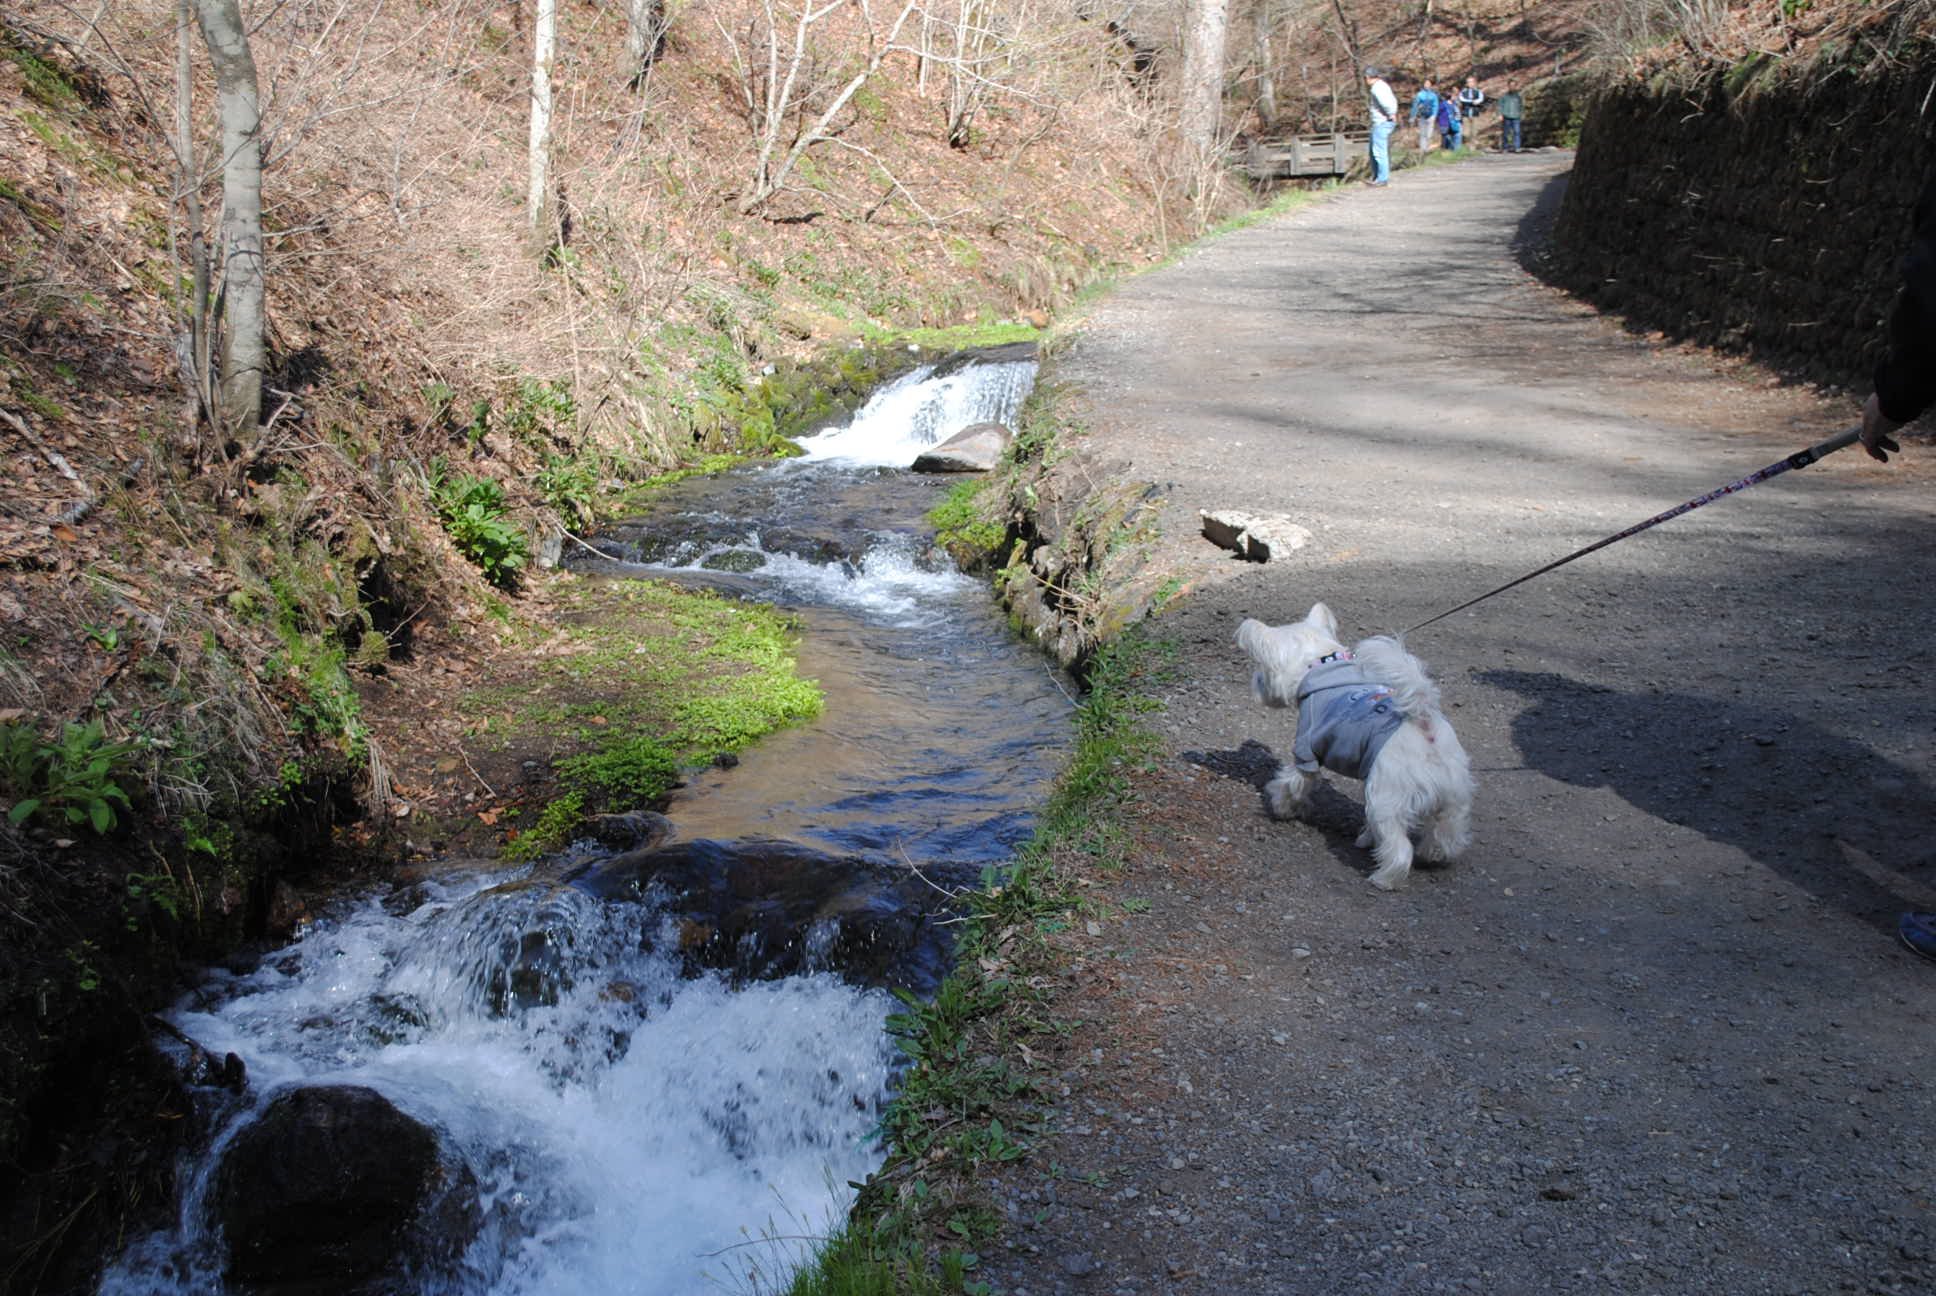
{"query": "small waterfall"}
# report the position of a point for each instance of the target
(631, 1130)
(922, 408)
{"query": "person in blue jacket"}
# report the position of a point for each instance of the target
(1425, 113)
(1905, 386)
(1448, 122)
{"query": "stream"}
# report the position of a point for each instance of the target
(607, 1118)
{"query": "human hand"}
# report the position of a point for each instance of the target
(1876, 427)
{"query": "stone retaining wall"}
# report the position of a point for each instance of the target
(1754, 211)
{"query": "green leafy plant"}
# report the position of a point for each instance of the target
(472, 511)
(569, 486)
(540, 408)
(151, 891)
(74, 777)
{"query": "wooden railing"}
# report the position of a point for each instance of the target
(1332, 154)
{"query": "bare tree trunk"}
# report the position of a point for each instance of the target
(1266, 75)
(645, 27)
(963, 80)
(1348, 34)
(544, 42)
(244, 335)
(192, 342)
(1201, 111)
(770, 176)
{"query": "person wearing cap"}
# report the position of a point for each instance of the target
(1384, 119)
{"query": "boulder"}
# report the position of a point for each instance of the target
(759, 908)
(1001, 353)
(332, 1189)
(976, 448)
(1256, 536)
(800, 321)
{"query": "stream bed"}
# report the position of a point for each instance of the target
(607, 1118)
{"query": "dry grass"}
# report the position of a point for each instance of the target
(404, 289)
(1648, 37)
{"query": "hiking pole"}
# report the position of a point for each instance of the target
(1800, 459)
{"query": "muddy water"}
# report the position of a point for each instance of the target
(633, 1127)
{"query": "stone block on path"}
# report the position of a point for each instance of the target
(1259, 537)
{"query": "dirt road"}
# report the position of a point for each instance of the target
(1653, 1033)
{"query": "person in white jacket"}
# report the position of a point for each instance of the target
(1384, 119)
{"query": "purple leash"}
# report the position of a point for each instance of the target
(1800, 459)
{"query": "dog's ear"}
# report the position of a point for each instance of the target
(1321, 617)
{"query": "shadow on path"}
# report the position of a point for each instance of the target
(1330, 810)
(1799, 800)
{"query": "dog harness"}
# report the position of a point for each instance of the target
(1343, 719)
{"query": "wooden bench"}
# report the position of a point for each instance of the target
(1306, 155)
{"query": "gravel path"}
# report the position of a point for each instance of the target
(1653, 1033)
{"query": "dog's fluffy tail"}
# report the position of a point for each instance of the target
(1383, 658)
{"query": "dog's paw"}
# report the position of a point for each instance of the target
(1390, 879)
(1285, 797)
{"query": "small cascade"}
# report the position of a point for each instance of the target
(631, 1129)
(924, 407)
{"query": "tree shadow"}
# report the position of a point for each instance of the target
(1798, 799)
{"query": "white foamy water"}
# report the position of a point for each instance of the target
(888, 586)
(631, 1132)
(916, 411)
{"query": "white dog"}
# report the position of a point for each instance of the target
(1367, 713)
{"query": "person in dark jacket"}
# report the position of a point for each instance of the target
(1905, 386)
(1512, 110)
(1905, 381)
(1448, 122)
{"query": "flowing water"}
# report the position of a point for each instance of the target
(633, 1128)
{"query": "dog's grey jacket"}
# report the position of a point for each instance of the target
(1343, 719)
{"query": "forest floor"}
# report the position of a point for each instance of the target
(1653, 1032)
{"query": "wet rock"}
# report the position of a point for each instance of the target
(734, 560)
(629, 831)
(1003, 353)
(976, 448)
(334, 1190)
(760, 908)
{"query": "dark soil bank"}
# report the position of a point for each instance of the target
(1654, 1032)
(1752, 210)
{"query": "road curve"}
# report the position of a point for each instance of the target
(1653, 1033)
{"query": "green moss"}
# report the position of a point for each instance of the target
(634, 771)
(964, 336)
(965, 525)
(652, 679)
(559, 819)
(47, 83)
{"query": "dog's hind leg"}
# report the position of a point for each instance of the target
(1447, 832)
(1392, 848)
(1287, 792)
